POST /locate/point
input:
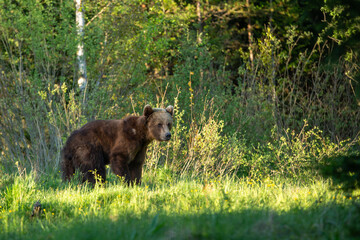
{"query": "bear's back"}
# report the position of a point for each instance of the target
(98, 132)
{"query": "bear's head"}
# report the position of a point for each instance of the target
(159, 122)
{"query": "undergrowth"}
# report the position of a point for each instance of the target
(281, 115)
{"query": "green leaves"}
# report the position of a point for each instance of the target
(343, 23)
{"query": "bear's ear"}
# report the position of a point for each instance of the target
(148, 110)
(170, 109)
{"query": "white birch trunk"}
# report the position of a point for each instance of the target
(80, 54)
(199, 15)
(249, 29)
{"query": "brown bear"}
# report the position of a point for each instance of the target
(120, 143)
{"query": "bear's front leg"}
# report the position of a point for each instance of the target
(136, 165)
(120, 167)
(135, 172)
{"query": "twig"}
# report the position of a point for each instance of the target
(99, 13)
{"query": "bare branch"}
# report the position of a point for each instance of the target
(98, 14)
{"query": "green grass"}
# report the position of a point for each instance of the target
(175, 208)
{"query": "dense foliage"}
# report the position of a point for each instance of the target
(259, 87)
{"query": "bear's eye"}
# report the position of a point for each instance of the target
(169, 125)
(159, 125)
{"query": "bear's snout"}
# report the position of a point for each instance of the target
(167, 136)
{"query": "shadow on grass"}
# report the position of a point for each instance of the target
(317, 222)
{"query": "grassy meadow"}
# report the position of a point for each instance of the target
(177, 208)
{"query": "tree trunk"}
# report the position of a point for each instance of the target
(199, 38)
(80, 54)
(249, 30)
(275, 113)
(198, 12)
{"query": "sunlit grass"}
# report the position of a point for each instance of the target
(181, 209)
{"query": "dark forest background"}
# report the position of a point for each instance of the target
(259, 87)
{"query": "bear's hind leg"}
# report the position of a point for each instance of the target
(67, 167)
(92, 166)
(93, 175)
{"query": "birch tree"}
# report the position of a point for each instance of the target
(249, 31)
(199, 15)
(80, 54)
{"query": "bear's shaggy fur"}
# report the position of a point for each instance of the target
(120, 143)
